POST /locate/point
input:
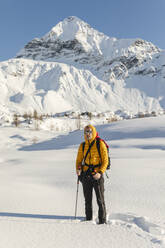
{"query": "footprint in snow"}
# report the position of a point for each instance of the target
(141, 222)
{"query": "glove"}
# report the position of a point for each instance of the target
(78, 172)
(97, 176)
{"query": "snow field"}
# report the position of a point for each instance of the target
(38, 188)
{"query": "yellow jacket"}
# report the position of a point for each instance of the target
(93, 157)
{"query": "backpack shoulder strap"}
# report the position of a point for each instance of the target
(98, 146)
(83, 146)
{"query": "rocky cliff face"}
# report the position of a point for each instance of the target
(39, 49)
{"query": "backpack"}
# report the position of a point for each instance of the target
(98, 149)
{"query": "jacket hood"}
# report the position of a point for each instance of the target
(94, 133)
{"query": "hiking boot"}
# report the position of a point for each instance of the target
(88, 219)
(102, 222)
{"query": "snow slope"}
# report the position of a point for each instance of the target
(50, 87)
(38, 188)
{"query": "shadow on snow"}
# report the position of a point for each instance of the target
(57, 143)
(39, 216)
(106, 132)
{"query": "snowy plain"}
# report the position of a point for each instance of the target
(38, 188)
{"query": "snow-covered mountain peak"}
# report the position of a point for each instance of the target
(70, 34)
(74, 38)
(71, 28)
(80, 68)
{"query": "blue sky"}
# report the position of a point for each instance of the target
(23, 20)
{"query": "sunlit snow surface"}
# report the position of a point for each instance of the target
(38, 188)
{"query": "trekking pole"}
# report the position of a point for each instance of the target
(76, 197)
(106, 175)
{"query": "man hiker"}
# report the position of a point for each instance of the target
(90, 167)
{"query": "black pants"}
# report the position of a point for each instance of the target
(98, 185)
